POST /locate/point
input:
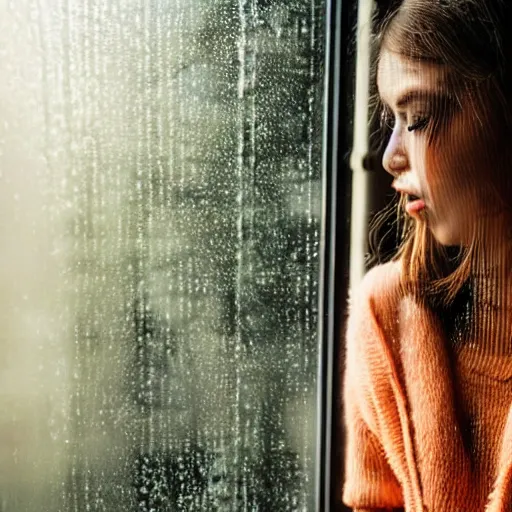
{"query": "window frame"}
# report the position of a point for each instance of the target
(341, 16)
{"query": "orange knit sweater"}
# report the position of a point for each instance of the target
(426, 429)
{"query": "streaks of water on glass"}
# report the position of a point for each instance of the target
(160, 170)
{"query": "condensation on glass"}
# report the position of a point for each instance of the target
(160, 192)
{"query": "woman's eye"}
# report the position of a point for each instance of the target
(418, 123)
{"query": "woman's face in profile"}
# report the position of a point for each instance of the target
(437, 144)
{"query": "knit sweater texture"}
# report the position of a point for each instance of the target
(428, 427)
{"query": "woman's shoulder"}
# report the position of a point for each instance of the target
(372, 336)
(375, 307)
(380, 287)
(383, 319)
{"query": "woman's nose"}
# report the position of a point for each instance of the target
(395, 159)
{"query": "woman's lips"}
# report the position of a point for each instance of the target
(415, 206)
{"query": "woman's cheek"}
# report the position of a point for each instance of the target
(436, 176)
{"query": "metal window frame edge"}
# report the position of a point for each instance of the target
(326, 306)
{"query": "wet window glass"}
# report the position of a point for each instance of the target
(160, 191)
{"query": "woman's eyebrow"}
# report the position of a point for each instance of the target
(420, 95)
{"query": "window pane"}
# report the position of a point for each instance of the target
(160, 167)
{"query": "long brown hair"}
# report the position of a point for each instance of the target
(473, 39)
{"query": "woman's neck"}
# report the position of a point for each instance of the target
(491, 303)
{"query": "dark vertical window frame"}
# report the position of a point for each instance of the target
(341, 18)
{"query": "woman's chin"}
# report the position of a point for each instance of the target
(446, 236)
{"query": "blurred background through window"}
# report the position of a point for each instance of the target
(161, 195)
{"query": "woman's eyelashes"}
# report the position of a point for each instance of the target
(416, 122)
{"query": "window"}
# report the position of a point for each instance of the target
(161, 191)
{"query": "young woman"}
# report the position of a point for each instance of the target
(428, 380)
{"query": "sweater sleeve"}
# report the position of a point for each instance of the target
(370, 483)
